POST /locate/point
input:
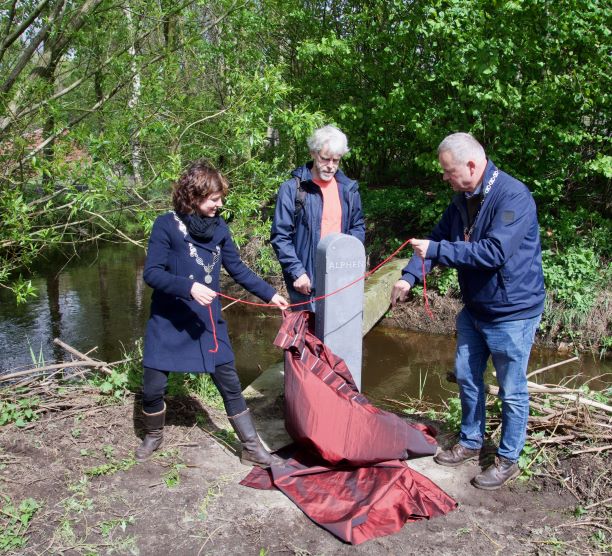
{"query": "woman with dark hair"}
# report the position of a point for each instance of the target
(185, 332)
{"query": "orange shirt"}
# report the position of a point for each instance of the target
(331, 220)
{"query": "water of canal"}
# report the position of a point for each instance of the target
(99, 299)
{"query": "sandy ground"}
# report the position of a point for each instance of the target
(187, 499)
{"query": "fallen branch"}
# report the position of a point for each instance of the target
(592, 450)
(534, 388)
(590, 506)
(104, 368)
(538, 371)
(573, 397)
(554, 439)
(55, 367)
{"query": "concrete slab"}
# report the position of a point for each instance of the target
(455, 481)
(267, 387)
(378, 292)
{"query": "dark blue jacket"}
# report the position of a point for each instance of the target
(500, 269)
(296, 244)
(179, 332)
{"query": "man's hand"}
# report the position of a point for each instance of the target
(420, 247)
(302, 284)
(203, 295)
(399, 292)
(279, 301)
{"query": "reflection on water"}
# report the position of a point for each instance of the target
(96, 300)
(399, 362)
(101, 300)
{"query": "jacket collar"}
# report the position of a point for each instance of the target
(489, 169)
(304, 173)
(459, 199)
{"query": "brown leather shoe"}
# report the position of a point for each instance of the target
(457, 455)
(496, 475)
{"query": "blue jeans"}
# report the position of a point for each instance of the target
(509, 344)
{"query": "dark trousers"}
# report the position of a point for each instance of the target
(225, 378)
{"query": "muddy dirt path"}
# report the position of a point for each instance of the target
(93, 499)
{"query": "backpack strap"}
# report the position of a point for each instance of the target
(300, 198)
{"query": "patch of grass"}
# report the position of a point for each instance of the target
(422, 382)
(601, 542)
(78, 504)
(125, 377)
(14, 522)
(227, 436)
(529, 456)
(109, 526)
(213, 492)
(37, 360)
(111, 468)
(170, 453)
(204, 388)
(79, 487)
(173, 478)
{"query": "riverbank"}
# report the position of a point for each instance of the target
(591, 332)
(71, 480)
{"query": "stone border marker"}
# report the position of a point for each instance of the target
(340, 259)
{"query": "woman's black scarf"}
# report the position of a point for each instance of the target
(201, 228)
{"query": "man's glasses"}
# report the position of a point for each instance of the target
(329, 160)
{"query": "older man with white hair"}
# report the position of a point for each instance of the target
(318, 200)
(490, 234)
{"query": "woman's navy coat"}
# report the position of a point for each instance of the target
(179, 332)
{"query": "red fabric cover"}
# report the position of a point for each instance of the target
(325, 412)
(336, 431)
(355, 504)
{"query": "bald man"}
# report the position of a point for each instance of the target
(490, 234)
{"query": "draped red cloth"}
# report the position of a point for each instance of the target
(345, 472)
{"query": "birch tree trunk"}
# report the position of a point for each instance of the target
(135, 147)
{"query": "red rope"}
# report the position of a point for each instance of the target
(366, 275)
(212, 321)
(427, 308)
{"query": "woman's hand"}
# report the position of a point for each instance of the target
(203, 295)
(279, 301)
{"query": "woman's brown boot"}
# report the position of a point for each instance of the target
(253, 452)
(154, 429)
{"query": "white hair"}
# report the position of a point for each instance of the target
(330, 137)
(463, 147)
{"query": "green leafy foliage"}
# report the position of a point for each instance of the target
(14, 522)
(529, 458)
(572, 276)
(20, 412)
(172, 478)
(89, 152)
(452, 415)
